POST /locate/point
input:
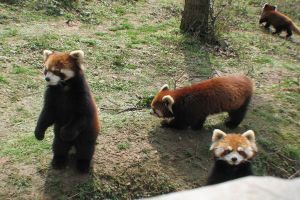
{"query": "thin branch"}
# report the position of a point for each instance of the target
(283, 156)
(110, 109)
(131, 109)
(280, 168)
(294, 175)
(178, 79)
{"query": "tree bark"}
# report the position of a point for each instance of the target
(195, 17)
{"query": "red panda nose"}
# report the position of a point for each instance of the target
(47, 79)
(234, 159)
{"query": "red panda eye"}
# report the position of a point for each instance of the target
(226, 152)
(242, 153)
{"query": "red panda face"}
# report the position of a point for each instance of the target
(233, 148)
(61, 66)
(161, 105)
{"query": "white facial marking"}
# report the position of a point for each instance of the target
(249, 152)
(233, 158)
(158, 113)
(53, 79)
(68, 73)
(151, 112)
(240, 149)
(170, 102)
(219, 151)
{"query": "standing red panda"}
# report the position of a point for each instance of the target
(189, 106)
(69, 105)
(278, 20)
(232, 153)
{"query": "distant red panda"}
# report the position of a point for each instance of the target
(233, 153)
(70, 106)
(278, 20)
(189, 106)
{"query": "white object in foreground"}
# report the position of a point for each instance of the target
(248, 188)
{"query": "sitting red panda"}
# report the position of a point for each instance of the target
(232, 153)
(278, 20)
(69, 105)
(189, 106)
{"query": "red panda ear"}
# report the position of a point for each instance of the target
(46, 54)
(217, 136)
(169, 101)
(78, 54)
(164, 87)
(250, 135)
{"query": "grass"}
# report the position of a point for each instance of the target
(123, 146)
(25, 147)
(3, 80)
(132, 48)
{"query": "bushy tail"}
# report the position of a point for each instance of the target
(295, 28)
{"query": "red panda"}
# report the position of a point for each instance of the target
(233, 153)
(189, 106)
(278, 20)
(70, 106)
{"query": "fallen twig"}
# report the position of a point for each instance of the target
(111, 109)
(294, 175)
(281, 169)
(178, 79)
(283, 156)
(297, 89)
(131, 109)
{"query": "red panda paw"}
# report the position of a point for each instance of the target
(173, 123)
(165, 123)
(39, 135)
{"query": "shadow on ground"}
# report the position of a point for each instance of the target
(183, 153)
(60, 183)
(269, 32)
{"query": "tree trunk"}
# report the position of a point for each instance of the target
(195, 17)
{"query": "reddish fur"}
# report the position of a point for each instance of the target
(229, 90)
(222, 94)
(223, 171)
(234, 141)
(278, 20)
(62, 60)
(96, 121)
(59, 60)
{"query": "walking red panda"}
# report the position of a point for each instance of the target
(189, 106)
(232, 153)
(278, 20)
(70, 106)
